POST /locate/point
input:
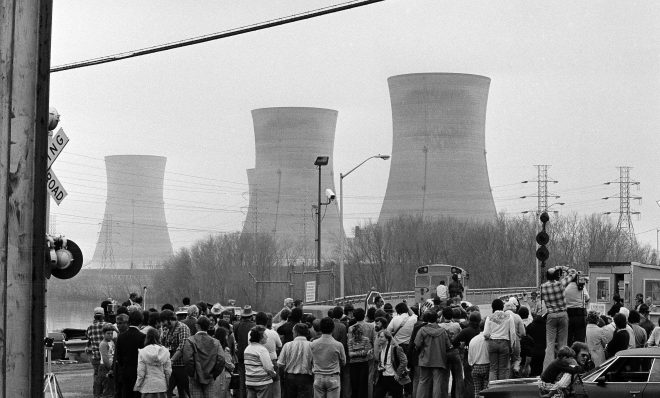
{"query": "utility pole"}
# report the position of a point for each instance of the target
(25, 30)
(625, 223)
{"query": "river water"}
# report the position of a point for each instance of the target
(62, 314)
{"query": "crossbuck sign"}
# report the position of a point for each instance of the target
(56, 144)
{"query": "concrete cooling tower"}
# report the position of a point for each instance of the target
(438, 150)
(283, 185)
(134, 232)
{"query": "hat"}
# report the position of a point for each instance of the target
(216, 309)
(388, 308)
(99, 311)
(247, 311)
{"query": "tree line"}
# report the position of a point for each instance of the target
(254, 268)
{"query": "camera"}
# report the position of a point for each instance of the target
(48, 342)
(580, 280)
(330, 195)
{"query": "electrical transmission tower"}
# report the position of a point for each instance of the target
(542, 193)
(625, 222)
(108, 257)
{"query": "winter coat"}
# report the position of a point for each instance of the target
(203, 358)
(154, 369)
(432, 344)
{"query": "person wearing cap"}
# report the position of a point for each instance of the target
(94, 335)
(174, 340)
(241, 334)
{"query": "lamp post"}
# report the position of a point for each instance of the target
(341, 219)
(320, 161)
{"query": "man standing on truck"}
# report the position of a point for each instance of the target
(552, 292)
(455, 287)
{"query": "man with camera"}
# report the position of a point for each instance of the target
(552, 293)
(577, 300)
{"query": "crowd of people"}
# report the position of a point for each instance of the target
(439, 348)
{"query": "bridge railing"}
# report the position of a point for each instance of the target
(475, 296)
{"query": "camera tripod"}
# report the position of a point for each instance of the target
(51, 385)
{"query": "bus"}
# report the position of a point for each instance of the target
(428, 277)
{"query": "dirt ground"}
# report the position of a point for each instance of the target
(75, 379)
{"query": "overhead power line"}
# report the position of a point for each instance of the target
(215, 36)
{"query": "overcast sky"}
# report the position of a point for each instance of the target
(575, 85)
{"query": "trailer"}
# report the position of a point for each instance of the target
(625, 279)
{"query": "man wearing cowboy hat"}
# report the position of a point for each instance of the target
(241, 334)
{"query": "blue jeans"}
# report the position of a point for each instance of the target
(556, 335)
(327, 386)
(499, 353)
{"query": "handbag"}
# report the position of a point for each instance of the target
(235, 382)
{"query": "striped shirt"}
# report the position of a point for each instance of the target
(257, 364)
(296, 356)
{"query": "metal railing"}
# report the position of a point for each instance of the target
(475, 296)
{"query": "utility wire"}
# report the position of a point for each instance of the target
(215, 36)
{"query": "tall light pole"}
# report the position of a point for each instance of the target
(320, 161)
(341, 219)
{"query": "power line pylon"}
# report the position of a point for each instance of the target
(542, 193)
(625, 222)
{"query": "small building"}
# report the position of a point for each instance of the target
(626, 279)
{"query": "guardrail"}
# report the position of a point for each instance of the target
(475, 296)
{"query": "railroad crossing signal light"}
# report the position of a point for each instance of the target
(542, 238)
(64, 258)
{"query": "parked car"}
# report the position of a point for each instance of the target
(631, 373)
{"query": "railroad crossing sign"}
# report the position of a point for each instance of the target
(56, 144)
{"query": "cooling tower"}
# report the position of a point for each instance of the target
(284, 184)
(438, 150)
(134, 231)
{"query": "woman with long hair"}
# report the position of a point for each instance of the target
(225, 377)
(154, 367)
(360, 352)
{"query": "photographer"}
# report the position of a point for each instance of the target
(552, 293)
(577, 300)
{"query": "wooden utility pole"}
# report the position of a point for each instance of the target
(25, 29)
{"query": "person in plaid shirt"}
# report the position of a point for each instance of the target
(94, 337)
(174, 340)
(556, 325)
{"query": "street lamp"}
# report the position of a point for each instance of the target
(341, 219)
(320, 161)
